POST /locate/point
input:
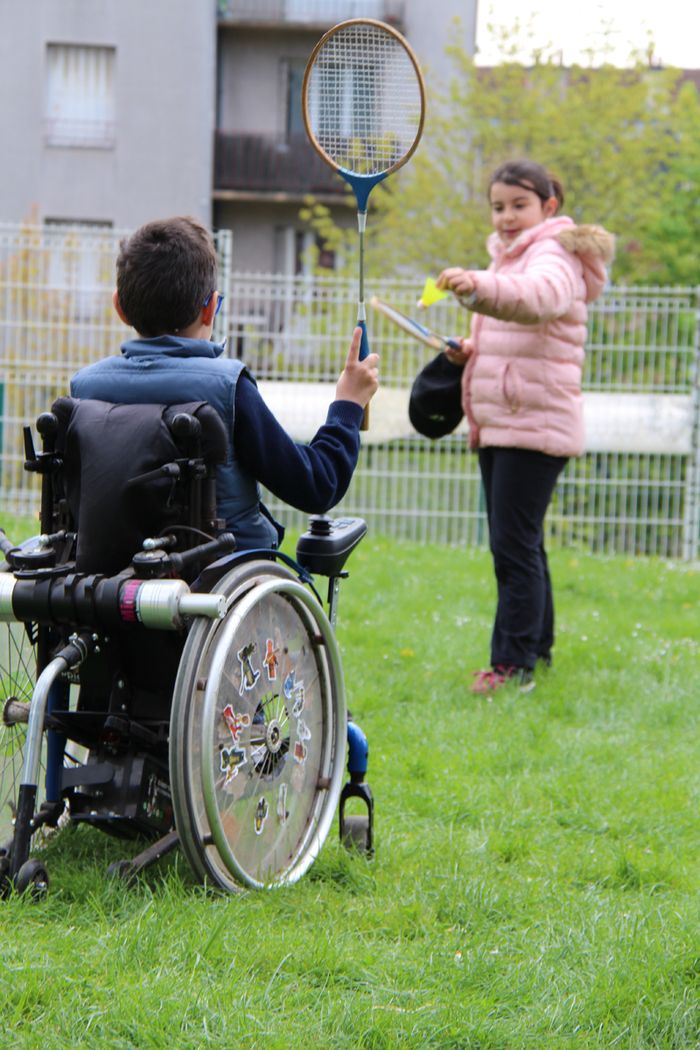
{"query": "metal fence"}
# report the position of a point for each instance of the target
(635, 490)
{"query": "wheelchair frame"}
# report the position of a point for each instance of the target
(242, 765)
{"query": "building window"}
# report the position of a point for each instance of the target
(295, 78)
(293, 252)
(80, 95)
(326, 255)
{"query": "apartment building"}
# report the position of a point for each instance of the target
(264, 165)
(116, 111)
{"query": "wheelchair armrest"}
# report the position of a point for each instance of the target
(328, 543)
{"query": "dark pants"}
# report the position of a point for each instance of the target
(518, 484)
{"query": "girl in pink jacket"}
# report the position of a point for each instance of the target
(521, 393)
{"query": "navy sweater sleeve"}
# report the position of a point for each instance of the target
(313, 477)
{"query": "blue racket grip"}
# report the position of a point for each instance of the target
(364, 351)
(454, 344)
(364, 343)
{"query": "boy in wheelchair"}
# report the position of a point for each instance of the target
(166, 290)
(172, 687)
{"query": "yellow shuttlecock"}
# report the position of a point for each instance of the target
(430, 294)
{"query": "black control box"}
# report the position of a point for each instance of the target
(327, 544)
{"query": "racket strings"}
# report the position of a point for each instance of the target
(364, 100)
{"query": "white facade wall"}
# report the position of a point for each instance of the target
(159, 159)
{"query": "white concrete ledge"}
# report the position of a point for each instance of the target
(661, 423)
(642, 423)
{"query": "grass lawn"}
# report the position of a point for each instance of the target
(536, 882)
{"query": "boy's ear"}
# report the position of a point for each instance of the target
(207, 314)
(117, 307)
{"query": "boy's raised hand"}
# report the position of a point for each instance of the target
(359, 380)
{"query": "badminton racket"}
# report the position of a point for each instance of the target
(415, 328)
(363, 103)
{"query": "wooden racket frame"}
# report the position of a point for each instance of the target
(307, 74)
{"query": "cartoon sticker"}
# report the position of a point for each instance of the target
(249, 674)
(261, 812)
(299, 700)
(232, 758)
(235, 721)
(271, 660)
(303, 730)
(282, 811)
(294, 693)
(288, 685)
(300, 752)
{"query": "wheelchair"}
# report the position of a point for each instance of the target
(158, 683)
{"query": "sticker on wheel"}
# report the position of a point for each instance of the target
(232, 758)
(261, 812)
(249, 674)
(236, 722)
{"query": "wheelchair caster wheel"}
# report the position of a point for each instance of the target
(5, 884)
(356, 834)
(34, 877)
(357, 829)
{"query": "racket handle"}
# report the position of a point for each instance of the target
(364, 343)
(364, 352)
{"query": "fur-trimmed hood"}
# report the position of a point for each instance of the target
(594, 246)
(593, 241)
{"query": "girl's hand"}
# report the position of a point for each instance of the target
(459, 357)
(456, 280)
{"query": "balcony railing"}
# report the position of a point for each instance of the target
(264, 164)
(309, 12)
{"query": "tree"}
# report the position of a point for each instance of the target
(672, 254)
(625, 143)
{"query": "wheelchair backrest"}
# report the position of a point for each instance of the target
(127, 473)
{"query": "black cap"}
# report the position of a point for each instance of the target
(435, 404)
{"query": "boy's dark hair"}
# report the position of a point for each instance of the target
(165, 271)
(529, 176)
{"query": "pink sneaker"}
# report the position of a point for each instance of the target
(489, 681)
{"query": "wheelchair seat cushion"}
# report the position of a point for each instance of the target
(116, 494)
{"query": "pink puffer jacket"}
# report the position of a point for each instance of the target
(522, 382)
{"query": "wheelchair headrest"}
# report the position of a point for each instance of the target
(213, 440)
(112, 454)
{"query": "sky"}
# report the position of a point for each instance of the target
(572, 26)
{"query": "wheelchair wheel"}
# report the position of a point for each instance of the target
(17, 679)
(257, 740)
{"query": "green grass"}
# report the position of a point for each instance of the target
(17, 528)
(536, 882)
